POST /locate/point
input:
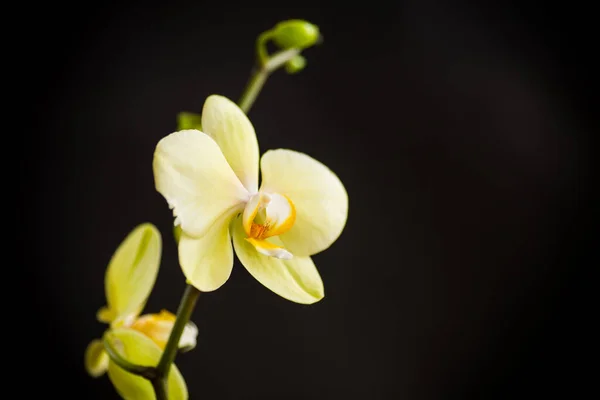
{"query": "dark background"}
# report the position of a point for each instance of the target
(461, 133)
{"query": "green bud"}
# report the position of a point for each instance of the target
(177, 233)
(295, 33)
(188, 120)
(295, 65)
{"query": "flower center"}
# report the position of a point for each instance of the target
(268, 215)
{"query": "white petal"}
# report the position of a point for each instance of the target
(318, 195)
(192, 174)
(188, 337)
(225, 122)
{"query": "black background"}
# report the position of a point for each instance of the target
(460, 131)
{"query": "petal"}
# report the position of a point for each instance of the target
(105, 315)
(225, 122)
(297, 279)
(139, 349)
(207, 262)
(188, 337)
(158, 328)
(96, 359)
(155, 326)
(192, 174)
(319, 196)
(131, 273)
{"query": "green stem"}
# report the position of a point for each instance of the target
(253, 88)
(147, 372)
(184, 312)
(160, 389)
(262, 55)
(260, 75)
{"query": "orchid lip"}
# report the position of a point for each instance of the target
(267, 215)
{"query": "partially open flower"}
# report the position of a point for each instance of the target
(137, 348)
(210, 180)
(129, 280)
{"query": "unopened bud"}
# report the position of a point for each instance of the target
(295, 33)
(295, 65)
(188, 120)
(177, 233)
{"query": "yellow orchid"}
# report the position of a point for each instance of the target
(210, 179)
(129, 280)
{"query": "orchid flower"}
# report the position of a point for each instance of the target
(129, 279)
(210, 179)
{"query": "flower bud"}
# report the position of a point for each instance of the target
(295, 65)
(295, 33)
(188, 120)
(96, 359)
(139, 349)
(177, 233)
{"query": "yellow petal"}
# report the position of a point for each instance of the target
(297, 279)
(96, 359)
(207, 262)
(139, 349)
(155, 326)
(131, 273)
(225, 122)
(158, 328)
(105, 315)
(320, 199)
(191, 172)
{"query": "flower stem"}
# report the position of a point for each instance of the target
(160, 389)
(253, 88)
(260, 75)
(184, 312)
